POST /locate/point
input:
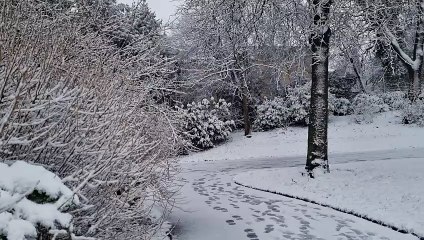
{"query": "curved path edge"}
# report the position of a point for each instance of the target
(350, 212)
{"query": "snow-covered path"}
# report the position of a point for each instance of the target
(213, 207)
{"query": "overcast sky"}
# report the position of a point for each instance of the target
(163, 8)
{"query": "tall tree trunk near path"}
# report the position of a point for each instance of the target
(318, 119)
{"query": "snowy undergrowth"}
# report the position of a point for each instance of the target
(366, 107)
(32, 198)
(345, 136)
(414, 113)
(388, 191)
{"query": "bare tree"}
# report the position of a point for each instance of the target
(222, 31)
(244, 47)
(400, 24)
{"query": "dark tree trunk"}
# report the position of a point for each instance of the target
(414, 88)
(318, 119)
(244, 92)
(246, 117)
(241, 62)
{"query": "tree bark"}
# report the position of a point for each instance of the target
(318, 124)
(414, 89)
(244, 91)
(246, 117)
(241, 61)
(358, 75)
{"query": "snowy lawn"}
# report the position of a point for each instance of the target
(389, 191)
(345, 136)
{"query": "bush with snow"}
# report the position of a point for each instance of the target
(339, 106)
(298, 102)
(272, 114)
(294, 109)
(395, 100)
(207, 122)
(414, 113)
(365, 106)
(33, 202)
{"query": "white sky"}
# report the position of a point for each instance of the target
(163, 8)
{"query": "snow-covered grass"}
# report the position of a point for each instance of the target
(386, 132)
(389, 191)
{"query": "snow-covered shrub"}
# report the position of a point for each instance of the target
(365, 106)
(294, 109)
(298, 102)
(339, 106)
(272, 114)
(33, 203)
(395, 100)
(414, 113)
(207, 122)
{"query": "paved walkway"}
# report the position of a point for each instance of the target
(213, 207)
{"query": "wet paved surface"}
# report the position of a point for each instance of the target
(213, 207)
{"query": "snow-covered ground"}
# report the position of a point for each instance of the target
(212, 206)
(379, 178)
(389, 191)
(385, 133)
